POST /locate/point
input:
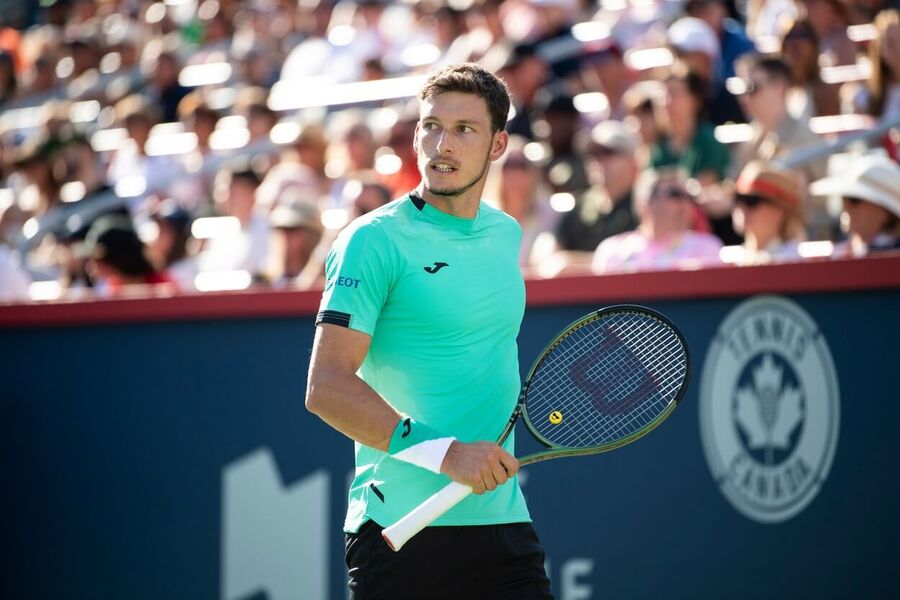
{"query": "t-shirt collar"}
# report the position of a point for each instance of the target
(438, 217)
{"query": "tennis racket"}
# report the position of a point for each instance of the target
(607, 380)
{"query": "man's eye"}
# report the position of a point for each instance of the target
(465, 129)
(429, 126)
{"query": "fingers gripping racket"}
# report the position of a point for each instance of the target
(607, 380)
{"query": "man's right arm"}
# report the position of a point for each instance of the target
(339, 397)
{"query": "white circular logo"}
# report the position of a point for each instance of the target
(769, 408)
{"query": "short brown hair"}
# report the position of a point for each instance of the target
(471, 78)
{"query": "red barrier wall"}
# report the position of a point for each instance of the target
(874, 273)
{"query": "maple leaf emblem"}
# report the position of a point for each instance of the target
(769, 410)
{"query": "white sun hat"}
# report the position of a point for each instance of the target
(690, 34)
(874, 178)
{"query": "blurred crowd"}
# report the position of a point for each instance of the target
(222, 144)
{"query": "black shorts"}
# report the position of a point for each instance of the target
(485, 562)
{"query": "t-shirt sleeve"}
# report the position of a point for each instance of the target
(358, 276)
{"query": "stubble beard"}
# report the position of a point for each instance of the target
(454, 192)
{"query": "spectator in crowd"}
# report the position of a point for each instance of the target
(79, 166)
(525, 73)
(170, 250)
(768, 211)
(166, 91)
(297, 230)
(407, 176)
(131, 169)
(809, 95)
(362, 196)
(881, 96)
(288, 174)
(604, 70)
(8, 82)
(733, 43)
(643, 104)
(366, 197)
(606, 208)
(351, 155)
(664, 238)
(34, 161)
(829, 19)
(311, 147)
(85, 54)
(522, 193)
(116, 258)
(251, 103)
(244, 248)
(688, 141)
(695, 44)
(871, 201)
(193, 191)
(558, 121)
(39, 77)
(14, 280)
(776, 134)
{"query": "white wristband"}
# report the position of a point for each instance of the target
(428, 454)
(419, 445)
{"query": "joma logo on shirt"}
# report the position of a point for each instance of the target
(348, 282)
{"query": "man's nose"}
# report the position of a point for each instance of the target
(443, 142)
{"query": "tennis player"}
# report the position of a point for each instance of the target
(415, 358)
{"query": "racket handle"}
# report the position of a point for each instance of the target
(423, 515)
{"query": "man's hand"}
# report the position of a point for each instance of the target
(481, 465)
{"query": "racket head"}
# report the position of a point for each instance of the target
(607, 380)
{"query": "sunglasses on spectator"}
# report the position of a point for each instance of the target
(601, 152)
(740, 86)
(749, 200)
(853, 201)
(675, 192)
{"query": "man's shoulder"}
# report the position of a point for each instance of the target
(495, 218)
(378, 223)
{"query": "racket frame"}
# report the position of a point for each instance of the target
(555, 451)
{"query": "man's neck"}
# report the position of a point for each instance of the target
(464, 206)
(775, 123)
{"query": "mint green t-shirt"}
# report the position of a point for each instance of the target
(443, 299)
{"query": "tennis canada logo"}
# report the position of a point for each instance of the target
(769, 409)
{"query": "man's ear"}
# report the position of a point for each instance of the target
(415, 140)
(498, 144)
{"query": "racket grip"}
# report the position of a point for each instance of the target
(423, 515)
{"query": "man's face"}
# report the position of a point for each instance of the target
(455, 144)
(766, 98)
(863, 218)
(240, 200)
(669, 205)
(607, 167)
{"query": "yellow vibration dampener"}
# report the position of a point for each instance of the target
(556, 417)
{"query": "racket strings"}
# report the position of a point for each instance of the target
(616, 362)
(606, 380)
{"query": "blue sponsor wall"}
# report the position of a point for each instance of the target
(117, 440)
